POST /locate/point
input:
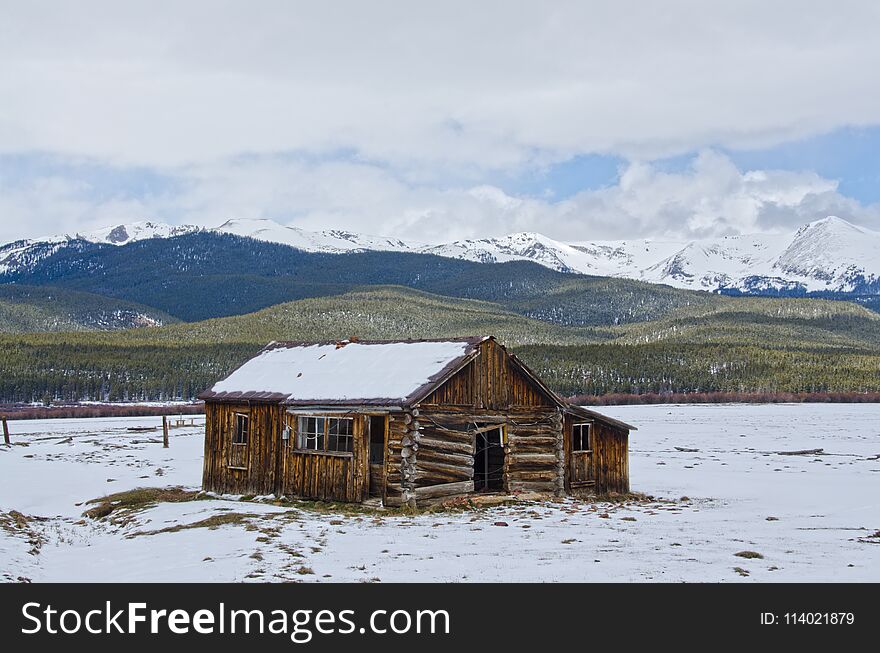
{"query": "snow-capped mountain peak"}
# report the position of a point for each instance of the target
(832, 251)
(519, 246)
(334, 241)
(831, 223)
(133, 231)
(829, 254)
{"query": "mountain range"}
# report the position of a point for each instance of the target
(72, 307)
(829, 255)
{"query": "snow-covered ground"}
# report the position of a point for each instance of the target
(812, 518)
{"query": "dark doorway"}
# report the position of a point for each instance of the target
(489, 459)
(377, 439)
(376, 427)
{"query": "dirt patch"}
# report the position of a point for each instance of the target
(873, 538)
(360, 510)
(211, 523)
(749, 555)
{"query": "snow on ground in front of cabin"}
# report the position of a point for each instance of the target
(826, 510)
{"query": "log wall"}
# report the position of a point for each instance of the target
(399, 452)
(446, 444)
(534, 459)
(490, 389)
(444, 464)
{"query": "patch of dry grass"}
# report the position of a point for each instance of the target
(19, 525)
(138, 499)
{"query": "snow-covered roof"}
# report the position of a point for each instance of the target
(347, 372)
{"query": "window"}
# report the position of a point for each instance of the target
(580, 437)
(340, 434)
(240, 433)
(333, 434)
(310, 434)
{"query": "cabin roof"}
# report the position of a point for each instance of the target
(586, 413)
(361, 372)
(364, 373)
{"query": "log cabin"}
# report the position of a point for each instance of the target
(412, 422)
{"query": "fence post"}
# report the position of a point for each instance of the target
(165, 431)
(5, 431)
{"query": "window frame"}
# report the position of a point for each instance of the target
(589, 434)
(323, 436)
(347, 437)
(238, 432)
(304, 435)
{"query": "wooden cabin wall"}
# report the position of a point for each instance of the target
(275, 467)
(326, 476)
(489, 389)
(535, 460)
(212, 459)
(446, 444)
(444, 463)
(399, 441)
(489, 382)
(585, 483)
(608, 462)
(610, 459)
(260, 454)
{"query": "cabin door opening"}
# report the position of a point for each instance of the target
(376, 426)
(489, 459)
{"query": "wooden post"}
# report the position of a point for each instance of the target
(165, 431)
(5, 431)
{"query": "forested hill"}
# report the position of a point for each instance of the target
(732, 345)
(52, 309)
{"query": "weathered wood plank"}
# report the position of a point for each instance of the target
(434, 456)
(533, 459)
(532, 486)
(444, 490)
(462, 472)
(527, 475)
(446, 445)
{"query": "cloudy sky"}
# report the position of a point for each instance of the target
(440, 120)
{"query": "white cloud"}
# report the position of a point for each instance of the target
(710, 197)
(45, 206)
(428, 101)
(425, 86)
